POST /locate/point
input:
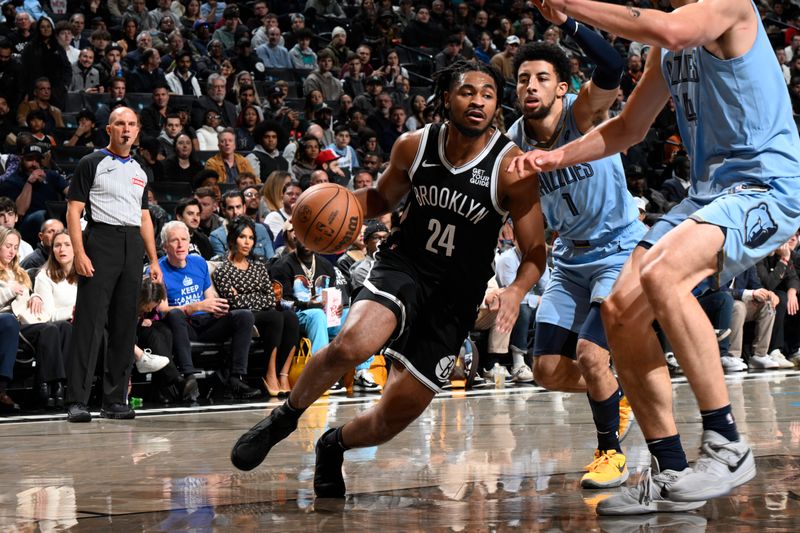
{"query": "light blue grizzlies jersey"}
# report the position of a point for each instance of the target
(734, 116)
(585, 202)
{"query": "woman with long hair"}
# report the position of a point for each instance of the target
(43, 57)
(416, 119)
(191, 14)
(246, 124)
(11, 284)
(314, 101)
(305, 160)
(391, 68)
(130, 29)
(50, 339)
(245, 282)
(183, 165)
(57, 286)
(502, 33)
(485, 50)
(272, 193)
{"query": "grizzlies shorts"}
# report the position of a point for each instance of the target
(433, 317)
(756, 220)
(582, 276)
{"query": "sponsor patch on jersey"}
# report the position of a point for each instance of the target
(479, 177)
(139, 182)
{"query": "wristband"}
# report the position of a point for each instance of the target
(570, 26)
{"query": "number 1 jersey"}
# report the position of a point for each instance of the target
(452, 219)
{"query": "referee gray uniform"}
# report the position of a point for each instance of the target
(112, 189)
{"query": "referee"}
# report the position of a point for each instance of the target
(110, 186)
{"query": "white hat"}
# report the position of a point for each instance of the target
(337, 30)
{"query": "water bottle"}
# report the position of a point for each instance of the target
(499, 378)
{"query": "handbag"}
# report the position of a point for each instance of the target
(299, 360)
(20, 308)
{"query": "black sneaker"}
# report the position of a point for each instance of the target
(191, 392)
(118, 411)
(78, 412)
(338, 388)
(328, 479)
(252, 448)
(238, 389)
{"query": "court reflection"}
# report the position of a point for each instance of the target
(496, 461)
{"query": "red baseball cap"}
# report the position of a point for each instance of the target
(326, 156)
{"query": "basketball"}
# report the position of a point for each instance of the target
(327, 218)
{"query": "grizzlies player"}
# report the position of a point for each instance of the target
(422, 294)
(598, 227)
(713, 58)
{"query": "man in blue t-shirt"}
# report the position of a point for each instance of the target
(194, 312)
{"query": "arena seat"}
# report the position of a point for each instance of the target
(170, 191)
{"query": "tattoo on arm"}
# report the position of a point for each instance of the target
(635, 13)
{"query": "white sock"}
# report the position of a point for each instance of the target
(517, 357)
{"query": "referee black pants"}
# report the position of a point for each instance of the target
(106, 301)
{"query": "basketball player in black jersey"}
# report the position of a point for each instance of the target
(422, 295)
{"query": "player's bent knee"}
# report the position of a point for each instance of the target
(546, 372)
(346, 347)
(592, 359)
(657, 276)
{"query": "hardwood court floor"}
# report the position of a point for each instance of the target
(490, 461)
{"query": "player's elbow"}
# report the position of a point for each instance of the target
(679, 34)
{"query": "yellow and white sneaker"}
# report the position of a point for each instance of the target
(625, 418)
(609, 469)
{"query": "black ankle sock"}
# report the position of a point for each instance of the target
(721, 420)
(334, 438)
(293, 411)
(669, 453)
(606, 419)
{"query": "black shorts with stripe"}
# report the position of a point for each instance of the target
(434, 316)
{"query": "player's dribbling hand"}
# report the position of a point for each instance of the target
(83, 266)
(550, 11)
(530, 163)
(506, 303)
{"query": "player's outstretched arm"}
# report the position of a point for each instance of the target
(394, 183)
(596, 96)
(611, 137)
(520, 196)
(694, 24)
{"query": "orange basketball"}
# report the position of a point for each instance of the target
(327, 218)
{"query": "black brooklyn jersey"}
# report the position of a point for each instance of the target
(452, 219)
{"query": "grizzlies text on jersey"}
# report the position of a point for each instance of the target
(588, 201)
